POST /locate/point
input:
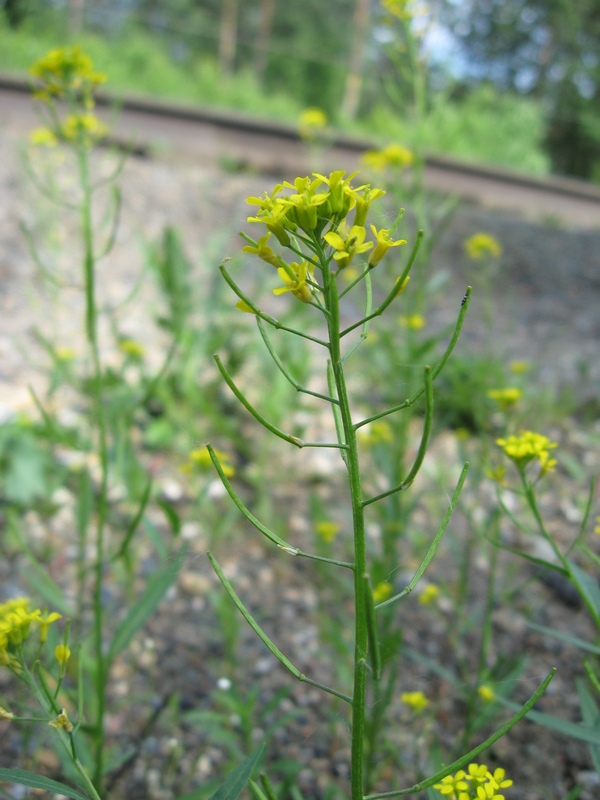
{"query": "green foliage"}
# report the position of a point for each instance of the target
(485, 125)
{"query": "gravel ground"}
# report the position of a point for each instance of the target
(546, 309)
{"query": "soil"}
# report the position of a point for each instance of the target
(183, 695)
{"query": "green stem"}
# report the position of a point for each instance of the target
(99, 420)
(360, 558)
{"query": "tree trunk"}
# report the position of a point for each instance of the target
(261, 53)
(228, 35)
(354, 78)
(76, 9)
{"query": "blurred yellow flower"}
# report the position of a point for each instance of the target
(199, 458)
(327, 530)
(393, 156)
(43, 137)
(64, 353)
(62, 654)
(413, 321)
(376, 433)
(133, 348)
(382, 591)
(416, 701)
(65, 70)
(429, 594)
(481, 245)
(312, 123)
(519, 367)
(486, 693)
(506, 398)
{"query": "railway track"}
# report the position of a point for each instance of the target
(165, 129)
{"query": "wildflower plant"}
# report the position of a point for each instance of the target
(314, 229)
(532, 454)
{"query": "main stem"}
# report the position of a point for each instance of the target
(99, 421)
(360, 557)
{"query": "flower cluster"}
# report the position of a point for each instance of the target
(68, 73)
(477, 783)
(16, 619)
(313, 122)
(199, 459)
(316, 212)
(399, 9)
(64, 72)
(394, 156)
(529, 446)
(482, 245)
(416, 701)
(506, 398)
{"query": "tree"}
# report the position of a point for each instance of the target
(354, 79)
(228, 35)
(547, 49)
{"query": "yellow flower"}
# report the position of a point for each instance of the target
(429, 594)
(497, 474)
(398, 8)
(597, 526)
(263, 251)
(312, 123)
(327, 530)
(64, 353)
(4, 714)
(85, 129)
(413, 321)
(132, 348)
(382, 245)
(486, 693)
(506, 398)
(478, 783)
(519, 367)
(348, 244)
(43, 137)
(200, 459)
(62, 722)
(65, 70)
(363, 203)
(243, 306)
(480, 245)
(297, 282)
(393, 156)
(416, 701)
(44, 621)
(377, 432)
(313, 118)
(382, 591)
(529, 446)
(62, 653)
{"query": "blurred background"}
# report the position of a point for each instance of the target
(508, 82)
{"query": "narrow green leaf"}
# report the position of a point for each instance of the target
(588, 588)
(591, 717)
(154, 592)
(565, 637)
(172, 516)
(25, 778)
(238, 779)
(576, 730)
(263, 636)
